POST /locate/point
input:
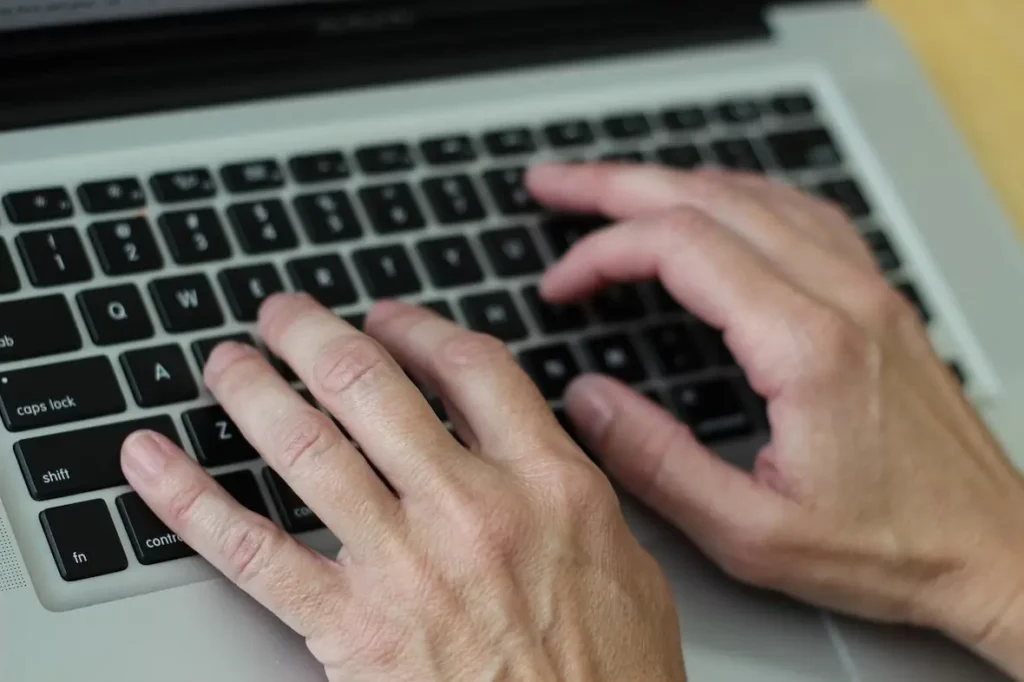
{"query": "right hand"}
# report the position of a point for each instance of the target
(881, 494)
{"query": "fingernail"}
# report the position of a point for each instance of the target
(591, 410)
(145, 455)
(225, 355)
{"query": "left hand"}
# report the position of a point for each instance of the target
(505, 560)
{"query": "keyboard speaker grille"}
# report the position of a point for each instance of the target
(11, 576)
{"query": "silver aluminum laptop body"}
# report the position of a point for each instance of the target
(179, 621)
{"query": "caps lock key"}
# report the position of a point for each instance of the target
(59, 394)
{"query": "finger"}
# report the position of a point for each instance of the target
(475, 373)
(355, 378)
(297, 585)
(613, 190)
(303, 445)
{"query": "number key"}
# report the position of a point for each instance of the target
(263, 227)
(454, 199)
(195, 236)
(125, 247)
(392, 208)
(328, 217)
(508, 187)
(54, 257)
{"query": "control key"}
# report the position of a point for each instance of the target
(59, 394)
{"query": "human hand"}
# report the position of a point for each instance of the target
(505, 560)
(881, 493)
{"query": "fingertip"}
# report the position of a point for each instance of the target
(541, 175)
(222, 357)
(386, 310)
(144, 456)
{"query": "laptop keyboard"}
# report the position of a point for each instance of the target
(445, 220)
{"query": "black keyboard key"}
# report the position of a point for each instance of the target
(54, 257)
(619, 303)
(512, 252)
(216, 439)
(685, 119)
(325, 279)
(246, 289)
(252, 176)
(911, 293)
(664, 302)
(438, 406)
(450, 262)
(564, 134)
(805, 149)
(847, 194)
(242, 486)
(159, 376)
(738, 111)
(357, 320)
(37, 327)
(76, 462)
(713, 409)
(442, 308)
(203, 349)
(884, 252)
(328, 217)
(9, 282)
(50, 395)
(195, 236)
(624, 157)
(451, 149)
(627, 126)
(508, 187)
(552, 368)
(115, 315)
(510, 142)
(554, 319)
(190, 184)
(125, 247)
(681, 156)
(107, 196)
(454, 199)
(675, 348)
(319, 167)
(83, 540)
(564, 231)
(716, 352)
(186, 303)
(392, 208)
(617, 356)
(296, 516)
(38, 205)
(387, 272)
(494, 314)
(152, 541)
(737, 154)
(385, 158)
(792, 104)
(263, 226)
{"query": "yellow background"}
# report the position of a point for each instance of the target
(974, 52)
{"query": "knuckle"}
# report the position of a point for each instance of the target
(885, 307)
(578, 488)
(838, 345)
(748, 553)
(248, 548)
(487, 525)
(474, 350)
(347, 362)
(303, 437)
(181, 505)
(237, 376)
(685, 226)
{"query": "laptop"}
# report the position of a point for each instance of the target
(164, 165)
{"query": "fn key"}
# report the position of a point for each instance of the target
(83, 540)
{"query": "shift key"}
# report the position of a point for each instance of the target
(61, 393)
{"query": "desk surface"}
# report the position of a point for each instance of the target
(973, 51)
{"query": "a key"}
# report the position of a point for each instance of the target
(263, 226)
(296, 516)
(681, 156)
(252, 176)
(442, 308)
(617, 356)
(186, 303)
(194, 236)
(36, 328)
(325, 279)
(246, 289)
(737, 154)
(552, 368)
(319, 167)
(152, 541)
(508, 188)
(216, 439)
(189, 184)
(159, 376)
(9, 282)
(563, 134)
(619, 303)
(848, 195)
(675, 348)
(738, 111)
(684, 119)
(805, 149)
(447, 150)
(242, 486)
(50, 395)
(563, 231)
(494, 314)
(512, 252)
(450, 262)
(328, 217)
(203, 349)
(792, 104)
(125, 247)
(911, 293)
(510, 142)
(76, 462)
(713, 409)
(884, 252)
(627, 126)
(83, 540)
(54, 257)
(392, 208)
(108, 196)
(115, 315)
(393, 157)
(38, 205)
(454, 199)
(387, 272)
(554, 319)
(624, 157)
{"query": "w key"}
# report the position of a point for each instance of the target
(59, 394)
(186, 303)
